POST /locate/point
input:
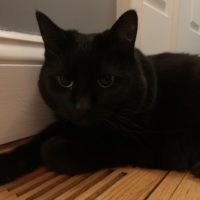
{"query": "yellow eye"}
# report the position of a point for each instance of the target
(64, 82)
(106, 81)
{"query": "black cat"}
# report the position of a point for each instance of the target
(114, 106)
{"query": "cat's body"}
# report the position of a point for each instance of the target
(114, 105)
(176, 111)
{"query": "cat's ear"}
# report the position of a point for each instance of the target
(52, 35)
(125, 28)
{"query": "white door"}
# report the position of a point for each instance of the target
(188, 35)
(155, 20)
(166, 25)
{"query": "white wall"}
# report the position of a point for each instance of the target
(84, 15)
(23, 112)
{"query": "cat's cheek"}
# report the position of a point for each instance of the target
(64, 114)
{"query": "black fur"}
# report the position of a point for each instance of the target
(149, 116)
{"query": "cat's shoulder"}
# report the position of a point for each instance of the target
(168, 59)
(174, 57)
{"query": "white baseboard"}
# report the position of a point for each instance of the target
(22, 111)
(20, 48)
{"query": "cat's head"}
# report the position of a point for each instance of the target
(89, 78)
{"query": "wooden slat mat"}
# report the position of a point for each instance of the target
(110, 184)
(121, 183)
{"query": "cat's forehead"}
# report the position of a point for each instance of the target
(84, 39)
(89, 42)
(87, 50)
(92, 54)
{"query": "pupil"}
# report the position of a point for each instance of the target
(106, 81)
(65, 81)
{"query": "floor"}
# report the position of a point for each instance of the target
(125, 183)
(110, 184)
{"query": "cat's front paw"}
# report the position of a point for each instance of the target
(64, 157)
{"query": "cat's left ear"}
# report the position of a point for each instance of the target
(52, 35)
(125, 28)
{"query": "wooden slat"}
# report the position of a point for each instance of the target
(125, 183)
(19, 191)
(6, 195)
(105, 184)
(24, 179)
(168, 186)
(84, 185)
(134, 186)
(189, 189)
(43, 188)
(33, 183)
(10, 146)
(7, 190)
(61, 188)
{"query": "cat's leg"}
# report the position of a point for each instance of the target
(78, 155)
(24, 158)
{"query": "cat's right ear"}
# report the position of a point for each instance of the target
(125, 28)
(52, 35)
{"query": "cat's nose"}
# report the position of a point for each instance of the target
(83, 105)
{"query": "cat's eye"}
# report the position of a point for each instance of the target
(106, 81)
(64, 82)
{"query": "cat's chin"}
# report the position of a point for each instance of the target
(83, 123)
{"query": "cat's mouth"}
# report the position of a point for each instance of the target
(84, 119)
(83, 122)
